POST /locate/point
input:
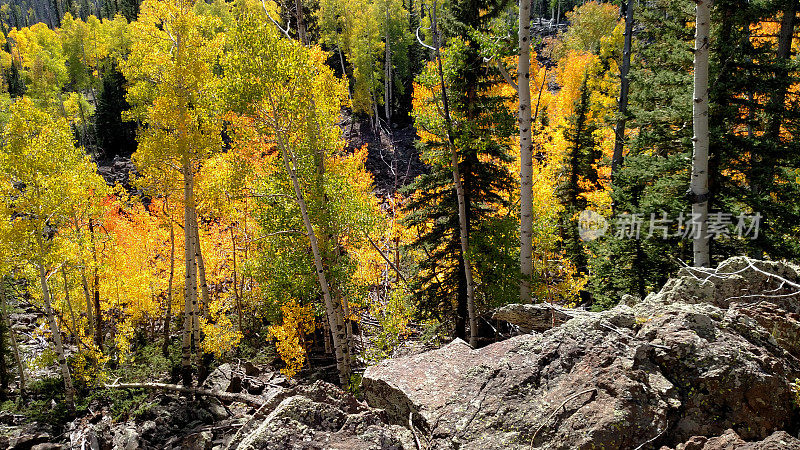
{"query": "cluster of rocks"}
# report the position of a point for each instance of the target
(709, 362)
(714, 351)
(117, 171)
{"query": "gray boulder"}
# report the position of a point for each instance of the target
(224, 379)
(539, 317)
(688, 361)
(780, 440)
(320, 416)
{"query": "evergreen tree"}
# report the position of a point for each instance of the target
(115, 136)
(482, 127)
(654, 175)
(580, 178)
(753, 117)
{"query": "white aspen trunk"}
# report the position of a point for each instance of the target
(348, 326)
(69, 390)
(699, 181)
(339, 308)
(13, 337)
(89, 314)
(98, 319)
(168, 314)
(333, 318)
(190, 286)
(235, 289)
(326, 336)
(525, 152)
(74, 329)
(624, 86)
(558, 14)
(198, 353)
(462, 205)
(344, 72)
(201, 267)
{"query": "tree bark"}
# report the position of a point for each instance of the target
(200, 308)
(699, 180)
(526, 153)
(190, 286)
(98, 324)
(462, 207)
(69, 390)
(201, 268)
(301, 24)
(74, 330)
(235, 289)
(624, 86)
(338, 333)
(168, 315)
(89, 314)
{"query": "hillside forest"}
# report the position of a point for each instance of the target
(323, 183)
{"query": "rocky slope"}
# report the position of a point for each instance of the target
(713, 354)
(707, 363)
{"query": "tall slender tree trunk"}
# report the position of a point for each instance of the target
(13, 337)
(326, 336)
(387, 82)
(4, 369)
(85, 283)
(168, 315)
(462, 206)
(525, 152)
(699, 181)
(301, 23)
(339, 338)
(98, 319)
(624, 87)
(201, 268)
(558, 14)
(69, 390)
(339, 306)
(235, 289)
(88, 296)
(344, 73)
(190, 287)
(200, 308)
(74, 330)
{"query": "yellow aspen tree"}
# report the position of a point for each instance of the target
(44, 177)
(275, 82)
(173, 92)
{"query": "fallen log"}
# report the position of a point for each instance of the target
(251, 400)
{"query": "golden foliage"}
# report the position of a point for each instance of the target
(289, 337)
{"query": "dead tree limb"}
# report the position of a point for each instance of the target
(251, 400)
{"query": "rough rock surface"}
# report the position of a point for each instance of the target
(224, 379)
(696, 359)
(539, 317)
(780, 440)
(320, 416)
(120, 170)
